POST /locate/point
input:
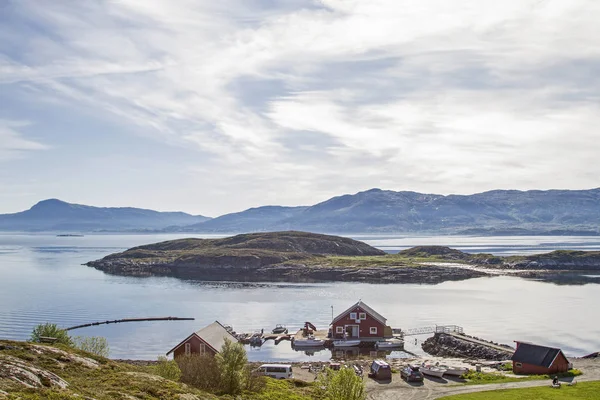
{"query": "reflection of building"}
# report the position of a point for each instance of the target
(355, 352)
(532, 359)
(360, 321)
(207, 340)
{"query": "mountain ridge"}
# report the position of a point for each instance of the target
(494, 212)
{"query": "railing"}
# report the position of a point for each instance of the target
(431, 329)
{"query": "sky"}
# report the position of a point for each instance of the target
(212, 107)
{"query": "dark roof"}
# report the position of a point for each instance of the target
(213, 335)
(529, 353)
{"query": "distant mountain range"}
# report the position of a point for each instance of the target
(374, 211)
(57, 215)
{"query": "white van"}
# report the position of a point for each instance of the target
(277, 371)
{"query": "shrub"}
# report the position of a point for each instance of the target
(168, 369)
(341, 385)
(93, 344)
(200, 370)
(50, 330)
(231, 361)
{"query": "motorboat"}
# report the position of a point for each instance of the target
(280, 329)
(389, 344)
(345, 343)
(310, 341)
(454, 371)
(432, 370)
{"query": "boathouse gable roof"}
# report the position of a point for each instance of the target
(374, 314)
(529, 353)
(213, 335)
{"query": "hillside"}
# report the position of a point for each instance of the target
(499, 212)
(40, 372)
(56, 215)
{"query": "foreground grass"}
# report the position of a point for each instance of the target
(484, 378)
(113, 380)
(583, 390)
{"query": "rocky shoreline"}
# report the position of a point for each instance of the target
(444, 345)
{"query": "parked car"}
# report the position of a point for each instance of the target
(277, 371)
(411, 373)
(380, 370)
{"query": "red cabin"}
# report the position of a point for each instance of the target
(532, 359)
(207, 340)
(360, 321)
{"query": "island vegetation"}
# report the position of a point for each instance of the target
(307, 257)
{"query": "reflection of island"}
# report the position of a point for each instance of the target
(69, 235)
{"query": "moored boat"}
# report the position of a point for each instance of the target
(310, 341)
(432, 370)
(346, 343)
(389, 344)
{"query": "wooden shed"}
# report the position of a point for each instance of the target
(360, 321)
(207, 340)
(533, 359)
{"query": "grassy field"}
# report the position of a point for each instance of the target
(583, 390)
(484, 378)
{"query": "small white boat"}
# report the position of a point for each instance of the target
(308, 342)
(431, 370)
(454, 371)
(346, 343)
(389, 344)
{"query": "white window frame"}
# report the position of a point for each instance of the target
(353, 315)
(362, 315)
(202, 348)
(188, 349)
(373, 330)
(518, 365)
(339, 329)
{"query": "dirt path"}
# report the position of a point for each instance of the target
(432, 389)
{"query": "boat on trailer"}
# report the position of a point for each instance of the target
(432, 370)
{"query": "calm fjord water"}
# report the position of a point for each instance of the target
(42, 280)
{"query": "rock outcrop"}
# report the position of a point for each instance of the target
(445, 345)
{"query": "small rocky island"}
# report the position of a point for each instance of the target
(307, 257)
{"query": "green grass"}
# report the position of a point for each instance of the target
(484, 378)
(583, 390)
(283, 390)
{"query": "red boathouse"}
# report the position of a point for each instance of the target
(207, 340)
(360, 321)
(532, 359)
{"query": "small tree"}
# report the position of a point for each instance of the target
(50, 330)
(93, 344)
(232, 361)
(341, 385)
(200, 370)
(168, 369)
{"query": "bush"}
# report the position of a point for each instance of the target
(168, 369)
(254, 382)
(50, 330)
(231, 361)
(93, 344)
(341, 385)
(200, 370)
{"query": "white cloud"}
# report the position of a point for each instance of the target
(12, 143)
(307, 99)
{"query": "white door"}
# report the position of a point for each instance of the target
(355, 331)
